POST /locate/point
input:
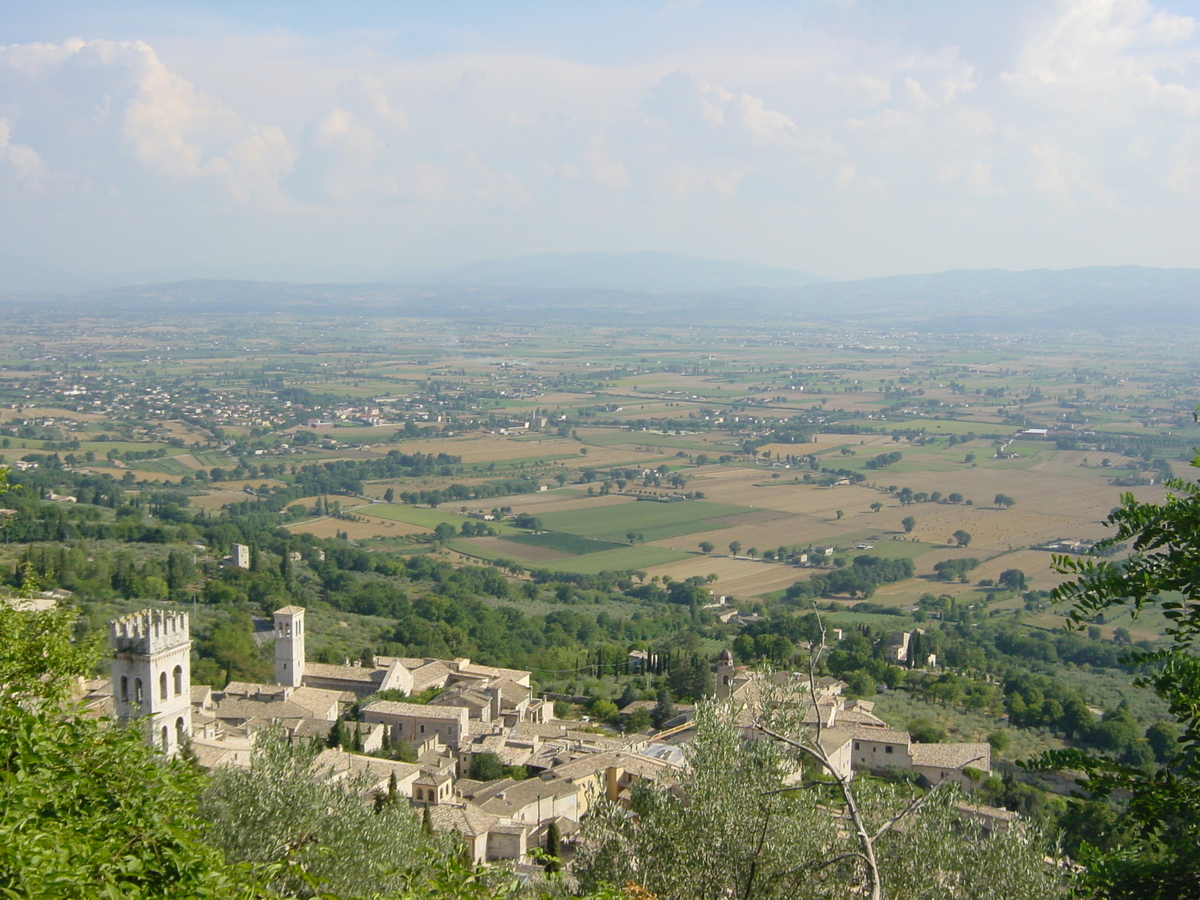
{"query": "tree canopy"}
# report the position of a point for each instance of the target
(1160, 858)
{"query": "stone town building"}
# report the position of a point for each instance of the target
(853, 737)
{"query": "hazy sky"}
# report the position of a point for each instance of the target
(348, 141)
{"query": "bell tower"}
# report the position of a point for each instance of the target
(725, 673)
(289, 646)
(152, 675)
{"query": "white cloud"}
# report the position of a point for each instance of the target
(78, 102)
(20, 162)
(841, 131)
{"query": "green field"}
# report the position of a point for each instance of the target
(166, 466)
(622, 559)
(425, 517)
(654, 521)
(567, 543)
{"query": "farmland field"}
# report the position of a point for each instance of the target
(621, 559)
(776, 436)
(565, 543)
(654, 521)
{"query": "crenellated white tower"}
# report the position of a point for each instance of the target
(289, 646)
(152, 674)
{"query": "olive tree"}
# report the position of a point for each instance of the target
(87, 808)
(276, 811)
(752, 820)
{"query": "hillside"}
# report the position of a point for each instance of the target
(594, 288)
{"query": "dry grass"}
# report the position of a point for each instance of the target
(327, 528)
(735, 577)
(217, 499)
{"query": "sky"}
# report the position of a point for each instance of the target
(155, 141)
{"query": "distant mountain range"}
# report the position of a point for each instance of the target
(664, 289)
(656, 272)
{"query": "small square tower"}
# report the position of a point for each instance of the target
(239, 555)
(289, 646)
(152, 674)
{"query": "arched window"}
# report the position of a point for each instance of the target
(162, 685)
(137, 691)
(178, 680)
(180, 734)
(165, 745)
(125, 688)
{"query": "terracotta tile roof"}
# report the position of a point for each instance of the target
(952, 756)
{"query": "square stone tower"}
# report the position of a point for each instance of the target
(152, 675)
(289, 646)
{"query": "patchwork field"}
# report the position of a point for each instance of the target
(625, 558)
(652, 521)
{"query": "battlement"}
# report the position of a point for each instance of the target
(149, 631)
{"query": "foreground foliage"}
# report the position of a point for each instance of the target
(1160, 808)
(742, 826)
(88, 810)
(277, 812)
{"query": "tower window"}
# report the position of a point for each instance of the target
(162, 686)
(178, 680)
(125, 688)
(137, 691)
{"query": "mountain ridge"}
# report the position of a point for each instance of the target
(1098, 297)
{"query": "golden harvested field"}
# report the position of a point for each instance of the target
(218, 498)
(50, 412)
(141, 475)
(238, 485)
(741, 578)
(1034, 563)
(484, 448)
(387, 527)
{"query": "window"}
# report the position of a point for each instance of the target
(125, 688)
(857, 745)
(887, 749)
(165, 745)
(137, 691)
(162, 685)
(422, 729)
(178, 680)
